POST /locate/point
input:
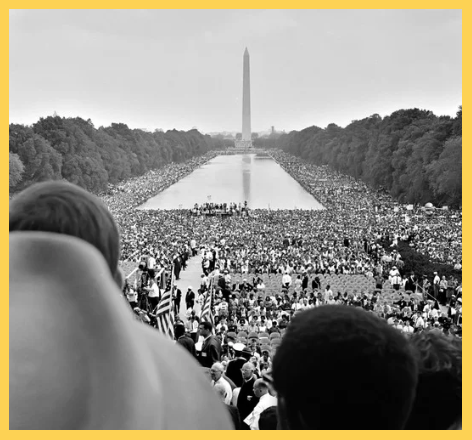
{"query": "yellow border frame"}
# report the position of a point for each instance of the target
(209, 5)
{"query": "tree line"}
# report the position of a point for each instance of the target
(73, 149)
(413, 154)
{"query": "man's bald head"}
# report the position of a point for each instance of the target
(218, 366)
(260, 388)
(260, 383)
(248, 366)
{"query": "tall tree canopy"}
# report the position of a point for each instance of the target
(73, 149)
(16, 169)
(413, 154)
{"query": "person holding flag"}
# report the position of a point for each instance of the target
(208, 349)
(165, 312)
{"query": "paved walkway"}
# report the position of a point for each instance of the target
(190, 277)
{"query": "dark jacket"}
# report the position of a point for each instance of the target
(234, 413)
(233, 370)
(190, 298)
(211, 352)
(410, 284)
(246, 399)
(187, 342)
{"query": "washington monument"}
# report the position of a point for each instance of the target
(246, 141)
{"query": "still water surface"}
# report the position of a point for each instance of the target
(259, 180)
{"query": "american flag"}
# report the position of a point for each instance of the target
(165, 313)
(207, 314)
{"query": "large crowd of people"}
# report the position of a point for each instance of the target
(267, 272)
(343, 239)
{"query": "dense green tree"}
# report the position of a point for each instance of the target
(446, 173)
(16, 169)
(406, 153)
(73, 149)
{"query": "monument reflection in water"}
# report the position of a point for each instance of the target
(236, 178)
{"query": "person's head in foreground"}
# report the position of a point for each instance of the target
(438, 402)
(357, 372)
(64, 208)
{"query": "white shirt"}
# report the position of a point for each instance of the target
(228, 390)
(419, 322)
(266, 401)
(151, 263)
(287, 279)
(154, 291)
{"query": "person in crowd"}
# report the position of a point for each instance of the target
(194, 322)
(286, 280)
(211, 348)
(450, 289)
(153, 294)
(217, 376)
(241, 356)
(268, 419)
(379, 281)
(442, 298)
(411, 283)
(190, 298)
(151, 266)
(438, 401)
(177, 299)
(261, 391)
(132, 297)
(320, 342)
(233, 411)
(184, 339)
(436, 282)
(247, 400)
(64, 208)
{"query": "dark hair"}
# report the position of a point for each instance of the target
(207, 325)
(268, 418)
(64, 208)
(368, 371)
(438, 402)
(179, 330)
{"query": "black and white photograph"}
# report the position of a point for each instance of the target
(235, 219)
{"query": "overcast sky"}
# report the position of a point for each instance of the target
(183, 68)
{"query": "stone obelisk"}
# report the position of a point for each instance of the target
(246, 141)
(246, 134)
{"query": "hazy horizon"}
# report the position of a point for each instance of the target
(182, 69)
